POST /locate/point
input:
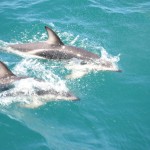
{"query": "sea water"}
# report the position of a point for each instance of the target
(114, 108)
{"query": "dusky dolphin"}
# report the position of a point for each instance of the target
(7, 79)
(53, 48)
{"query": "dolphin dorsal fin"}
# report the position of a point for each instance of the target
(53, 37)
(4, 71)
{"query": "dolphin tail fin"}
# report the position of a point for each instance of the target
(4, 71)
(53, 37)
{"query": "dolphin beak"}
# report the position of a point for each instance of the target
(72, 97)
(119, 70)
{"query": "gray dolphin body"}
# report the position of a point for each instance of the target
(54, 48)
(7, 79)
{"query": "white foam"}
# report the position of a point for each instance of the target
(3, 44)
(34, 68)
(28, 87)
(107, 62)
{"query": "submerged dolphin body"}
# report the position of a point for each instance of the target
(8, 79)
(53, 48)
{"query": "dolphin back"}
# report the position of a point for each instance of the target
(4, 71)
(53, 38)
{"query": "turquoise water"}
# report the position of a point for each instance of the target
(113, 111)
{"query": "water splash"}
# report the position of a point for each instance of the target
(105, 63)
(3, 44)
(25, 90)
(80, 68)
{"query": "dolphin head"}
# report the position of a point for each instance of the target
(70, 96)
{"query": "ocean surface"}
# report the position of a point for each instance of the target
(114, 108)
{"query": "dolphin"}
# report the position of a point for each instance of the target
(7, 79)
(53, 48)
